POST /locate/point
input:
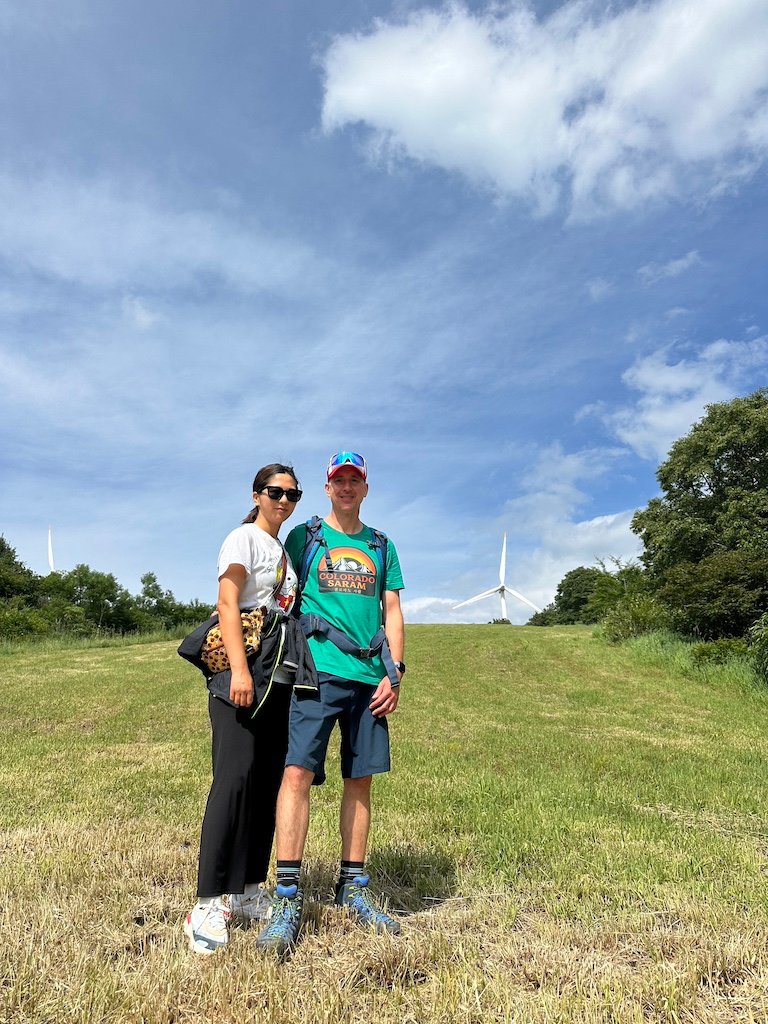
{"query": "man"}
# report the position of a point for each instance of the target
(352, 590)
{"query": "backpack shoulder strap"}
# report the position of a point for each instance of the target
(379, 545)
(313, 541)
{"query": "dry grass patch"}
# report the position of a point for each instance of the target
(569, 835)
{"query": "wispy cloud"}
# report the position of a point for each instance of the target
(626, 105)
(598, 288)
(547, 534)
(673, 393)
(138, 314)
(653, 272)
(103, 234)
(427, 609)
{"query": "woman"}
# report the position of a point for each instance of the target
(249, 742)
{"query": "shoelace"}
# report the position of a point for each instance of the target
(258, 900)
(281, 920)
(216, 916)
(362, 899)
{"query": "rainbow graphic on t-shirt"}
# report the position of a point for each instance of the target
(354, 572)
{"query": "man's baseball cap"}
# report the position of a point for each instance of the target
(343, 459)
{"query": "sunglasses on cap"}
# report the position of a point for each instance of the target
(293, 494)
(341, 459)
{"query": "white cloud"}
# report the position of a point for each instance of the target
(427, 609)
(673, 393)
(611, 107)
(106, 234)
(653, 272)
(598, 288)
(547, 537)
(138, 314)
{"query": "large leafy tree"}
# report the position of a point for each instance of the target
(571, 599)
(104, 603)
(16, 580)
(709, 528)
(586, 594)
(573, 593)
(715, 484)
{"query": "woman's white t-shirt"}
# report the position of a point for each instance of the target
(262, 557)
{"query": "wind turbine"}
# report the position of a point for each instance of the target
(502, 590)
(50, 551)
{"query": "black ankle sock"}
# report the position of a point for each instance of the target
(349, 870)
(288, 872)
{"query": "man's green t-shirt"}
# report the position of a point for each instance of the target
(349, 597)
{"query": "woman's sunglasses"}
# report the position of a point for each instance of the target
(293, 494)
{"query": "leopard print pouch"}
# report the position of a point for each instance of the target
(214, 654)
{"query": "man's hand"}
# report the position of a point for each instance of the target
(384, 700)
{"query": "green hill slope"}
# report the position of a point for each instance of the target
(572, 832)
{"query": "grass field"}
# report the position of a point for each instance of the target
(572, 832)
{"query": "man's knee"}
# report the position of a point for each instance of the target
(297, 779)
(358, 786)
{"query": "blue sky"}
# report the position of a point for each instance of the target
(509, 251)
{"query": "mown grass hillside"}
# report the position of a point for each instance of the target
(572, 832)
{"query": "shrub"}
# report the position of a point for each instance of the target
(17, 621)
(632, 616)
(758, 639)
(719, 652)
(548, 616)
(718, 596)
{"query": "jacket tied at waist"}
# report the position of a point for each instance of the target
(283, 656)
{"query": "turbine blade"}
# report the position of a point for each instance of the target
(503, 563)
(50, 551)
(477, 597)
(523, 599)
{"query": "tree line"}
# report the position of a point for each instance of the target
(703, 570)
(84, 602)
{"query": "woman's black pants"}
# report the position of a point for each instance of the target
(239, 822)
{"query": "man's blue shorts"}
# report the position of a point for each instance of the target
(364, 738)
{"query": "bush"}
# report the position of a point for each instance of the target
(632, 616)
(719, 652)
(720, 596)
(17, 621)
(758, 640)
(549, 616)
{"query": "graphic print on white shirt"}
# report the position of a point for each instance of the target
(262, 558)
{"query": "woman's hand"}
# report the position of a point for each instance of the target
(241, 689)
(231, 584)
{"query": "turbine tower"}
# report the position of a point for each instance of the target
(502, 590)
(50, 551)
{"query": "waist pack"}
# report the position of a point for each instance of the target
(204, 646)
(282, 656)
(213, 653)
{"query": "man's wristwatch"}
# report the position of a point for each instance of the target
(400, 666)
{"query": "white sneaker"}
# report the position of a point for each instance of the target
(252, 909)
(206, 926)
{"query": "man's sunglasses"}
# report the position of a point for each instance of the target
(293, 494)
(347, 459)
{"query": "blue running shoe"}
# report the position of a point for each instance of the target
(357, 899)
(282, 929)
